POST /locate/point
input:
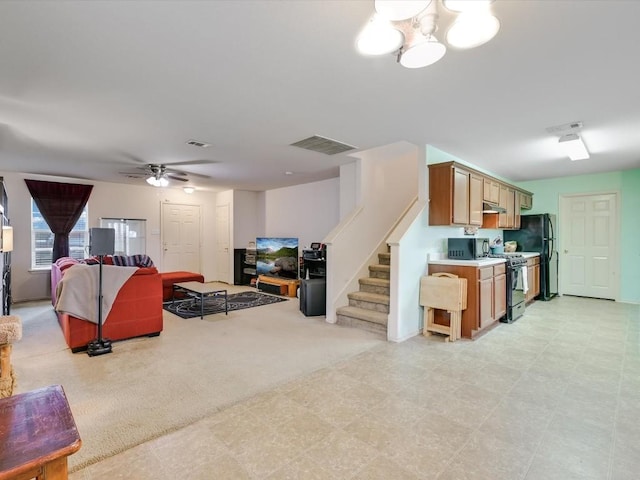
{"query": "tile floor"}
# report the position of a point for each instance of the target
(555, 395)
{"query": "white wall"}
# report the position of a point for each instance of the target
(107, 200)
(248, 217)
(307, 211)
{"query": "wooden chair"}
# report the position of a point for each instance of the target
(443, 291)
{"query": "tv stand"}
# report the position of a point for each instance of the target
(290, 284)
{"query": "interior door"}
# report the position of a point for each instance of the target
(223, 251)
(180, 237)
(589, 245)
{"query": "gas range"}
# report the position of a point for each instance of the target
(513, 259)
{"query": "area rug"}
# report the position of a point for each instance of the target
(190, 308)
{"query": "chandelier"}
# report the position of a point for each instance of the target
(407, 29)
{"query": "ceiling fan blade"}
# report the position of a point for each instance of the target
(193, 162)
(180, 179)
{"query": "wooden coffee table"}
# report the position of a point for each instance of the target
(200, 291)
(37, 434)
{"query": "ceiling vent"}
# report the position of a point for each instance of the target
(323, 145)
(196, 143)
(565, 128)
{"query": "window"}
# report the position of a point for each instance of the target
(42, 239)
(130, 235)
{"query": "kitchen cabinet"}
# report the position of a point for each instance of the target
(486, 296)
(455, 195)
(491, 191)
(533, 278)
(526, 201)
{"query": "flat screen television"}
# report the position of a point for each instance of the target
(277, 256)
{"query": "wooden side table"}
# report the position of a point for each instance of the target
(37, 434)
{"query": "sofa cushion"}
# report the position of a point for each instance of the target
(132, 260)
(65, 262)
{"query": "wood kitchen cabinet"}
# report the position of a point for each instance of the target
(491, 190)
(455, 195)
(486, 296)
(526, 201)
(533, 278)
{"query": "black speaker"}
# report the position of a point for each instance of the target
(102, 241)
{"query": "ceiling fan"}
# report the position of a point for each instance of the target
(159, 174)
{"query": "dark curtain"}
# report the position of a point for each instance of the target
(61, 205)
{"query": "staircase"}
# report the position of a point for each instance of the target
(368, 308)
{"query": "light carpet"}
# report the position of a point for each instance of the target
(151, 386)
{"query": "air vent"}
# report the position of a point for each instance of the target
(323, 145)
(565, 128)
(196, 143)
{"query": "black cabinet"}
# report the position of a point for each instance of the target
(244, 266)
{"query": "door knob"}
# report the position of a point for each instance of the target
(566, 251)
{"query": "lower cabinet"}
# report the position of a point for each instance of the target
(486, 296)
(533, 279)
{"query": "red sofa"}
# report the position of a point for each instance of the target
(136, 311)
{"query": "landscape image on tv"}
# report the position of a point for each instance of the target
(277, 256)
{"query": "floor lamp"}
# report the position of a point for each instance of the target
(101, 243)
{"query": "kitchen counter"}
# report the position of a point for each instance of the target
(480, 262)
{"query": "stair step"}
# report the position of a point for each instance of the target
(369, 301)
(362, 319)
(380, 271)
(375, 285)
(384, 258)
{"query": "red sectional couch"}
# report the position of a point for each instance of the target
(136, 311)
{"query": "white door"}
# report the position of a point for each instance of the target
(223, 255)
(589, 244)
(181, 237)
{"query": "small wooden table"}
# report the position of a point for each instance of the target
(37, 434)
(201, 290)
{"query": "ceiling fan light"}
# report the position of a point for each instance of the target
(152, 180)
(466, 5)
(162, 182)
(379, 37)
(395, 10)
(472, 30)
(423, 52)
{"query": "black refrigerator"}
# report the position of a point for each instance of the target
(538, 234)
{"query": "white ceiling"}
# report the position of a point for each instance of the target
(90, 89)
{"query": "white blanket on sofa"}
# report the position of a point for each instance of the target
(78, 290)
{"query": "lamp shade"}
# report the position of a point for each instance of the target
(472, 29)
(400, 9)
(422, 52)
(379, 37)
(7, 239)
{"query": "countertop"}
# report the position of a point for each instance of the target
(483, 262)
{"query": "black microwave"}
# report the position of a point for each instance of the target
(467, 248)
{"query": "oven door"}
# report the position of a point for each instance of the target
(517, 285)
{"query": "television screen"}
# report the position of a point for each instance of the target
(277, 257)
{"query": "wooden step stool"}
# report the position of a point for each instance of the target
(10, 332)
(443, 291)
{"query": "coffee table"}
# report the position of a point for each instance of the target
(199, 290)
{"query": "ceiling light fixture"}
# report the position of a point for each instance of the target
(573, 147)
(188, 190)
(158, 180)
(407, 28)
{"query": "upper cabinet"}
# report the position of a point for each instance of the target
(457, 194)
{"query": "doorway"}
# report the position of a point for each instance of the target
(180, 237)
(590, 242)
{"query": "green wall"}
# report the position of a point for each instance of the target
(546, 199)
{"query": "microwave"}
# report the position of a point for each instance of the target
(467, 248)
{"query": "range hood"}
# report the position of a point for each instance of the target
(488, 208)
